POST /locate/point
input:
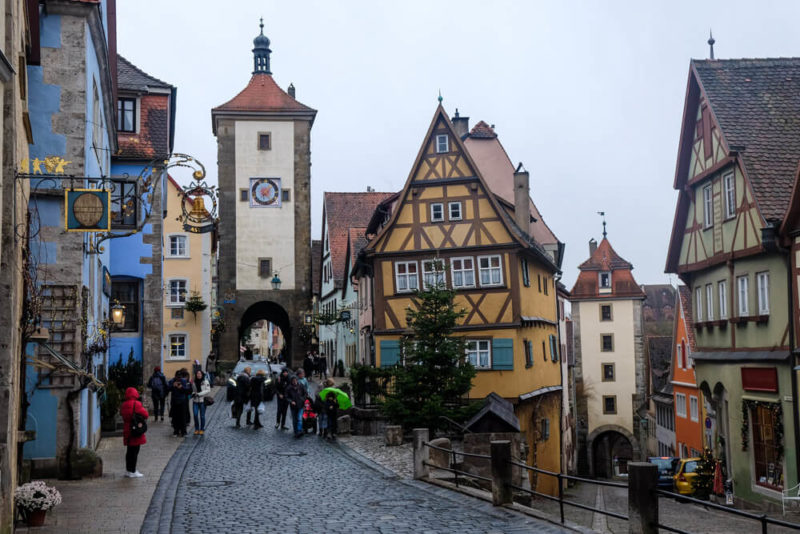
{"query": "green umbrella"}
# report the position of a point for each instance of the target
(341, 397)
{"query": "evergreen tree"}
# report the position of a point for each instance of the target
(703, 482)
(434, 372)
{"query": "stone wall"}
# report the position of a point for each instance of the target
(153, 292)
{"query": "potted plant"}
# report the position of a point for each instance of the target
(195, 303)
(34, 499)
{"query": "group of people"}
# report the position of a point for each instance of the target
(182, 390)
(250, 393)
(315, 364)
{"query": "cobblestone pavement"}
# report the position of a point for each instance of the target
(398, 459)
(245, 480)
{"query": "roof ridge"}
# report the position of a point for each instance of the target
(143, 73)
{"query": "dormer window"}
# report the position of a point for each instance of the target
(126, 114)
(442, 144)
(605, 280)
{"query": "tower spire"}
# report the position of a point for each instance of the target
(603, 215)
(711, 42)
(261, 52)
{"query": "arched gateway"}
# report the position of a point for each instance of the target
(264, 167)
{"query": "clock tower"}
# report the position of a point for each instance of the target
(264, 167)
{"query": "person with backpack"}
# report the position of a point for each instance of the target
(158, 392)
(134, 416)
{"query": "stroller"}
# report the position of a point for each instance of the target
(309, 417)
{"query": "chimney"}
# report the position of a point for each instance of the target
(460, 125)
(522, 195)
(592, 246)
(290, 90)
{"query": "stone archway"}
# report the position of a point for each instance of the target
(272, 312)
(607, 442)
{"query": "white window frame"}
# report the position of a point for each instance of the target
(729, 182)
(710, 302)
(442, 144)
(722, 288)
(440, 218)
(708, 207)
(450, 206)
(694, 410)
(762, 284)
(185, 246)
(177, 303)
(743, 295)
(600, 280)
(680, 405)
(185, 346)
(463, 272)
(679, 353)
(406, 276)
(490, 270)
(474, 355)
(698, 303)
(430, 275)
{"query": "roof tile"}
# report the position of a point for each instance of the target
(262, 94)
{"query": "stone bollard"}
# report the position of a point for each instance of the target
(393, 435)
(502, 492)
(642, 499)
(343, 425)
(441, 458)
(421, 453)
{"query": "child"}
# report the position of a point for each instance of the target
(309, 417)
(331, 414)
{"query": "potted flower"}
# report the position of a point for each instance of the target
(35, 499)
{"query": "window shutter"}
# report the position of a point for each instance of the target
(390, 352)
(503, 354)
(553, 348)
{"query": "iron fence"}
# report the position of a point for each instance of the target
(454, 461)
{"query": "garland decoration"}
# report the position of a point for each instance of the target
(776, 410)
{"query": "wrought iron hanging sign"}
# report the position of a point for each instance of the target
(87, 210)
(198, 199)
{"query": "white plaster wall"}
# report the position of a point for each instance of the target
(264, 232)
(624, 386)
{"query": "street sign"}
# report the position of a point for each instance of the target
(345, 315)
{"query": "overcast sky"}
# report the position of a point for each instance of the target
(588, 95)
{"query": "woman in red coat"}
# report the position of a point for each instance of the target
(130, 405)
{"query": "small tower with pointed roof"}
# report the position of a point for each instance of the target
(610, 370)
(264, 168)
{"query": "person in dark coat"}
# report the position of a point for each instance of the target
(283, 404)
(331, 415)
(158, 392)
(323, 366)
(129, 406)
(308, 365)
(242, 396)
(296, 396)
(257, 396)
(180, 391)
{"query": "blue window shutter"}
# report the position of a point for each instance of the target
(390, 352)
(503, 354)
(553, 348)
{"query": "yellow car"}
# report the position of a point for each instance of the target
(684, 475)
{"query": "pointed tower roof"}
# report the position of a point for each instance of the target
(262, 96)
(604, 259)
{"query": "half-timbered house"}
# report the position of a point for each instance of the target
(448, 214)
(737, 157)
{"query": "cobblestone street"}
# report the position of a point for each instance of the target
(243, 480)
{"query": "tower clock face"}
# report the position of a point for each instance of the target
(265, 192)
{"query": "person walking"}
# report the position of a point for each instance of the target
(180, 391)
(303, 381)
(242, 396)
(200, 389)
(132, 405)
(296, 396)
(283, 404)
(331, 416)
(211, 367)
(158, 392)
(323, 366)
(257, 396)
(308, 366)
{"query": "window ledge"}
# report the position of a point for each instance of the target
(170, 257)
(761, 318)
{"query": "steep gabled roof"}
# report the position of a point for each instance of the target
(686, 311)
(341, 212)
(605, 258)
(132, 78)
(659, 350)
(262, 94)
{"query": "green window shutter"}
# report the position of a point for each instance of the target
(503, 354)
(390, 352)
(553, 348)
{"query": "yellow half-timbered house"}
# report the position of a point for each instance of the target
(447, 214)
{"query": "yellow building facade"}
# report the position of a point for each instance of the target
(187, 272)
(447, 214)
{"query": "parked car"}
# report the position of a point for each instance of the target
(666, 469)
(684, 476)
(273, 372)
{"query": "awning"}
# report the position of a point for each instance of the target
(737, 356)
(535, 320)
(540, 391)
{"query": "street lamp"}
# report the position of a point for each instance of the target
(276, 282)
(118, 314)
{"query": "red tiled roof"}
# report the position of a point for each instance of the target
(483, 131)
(686, 307)
(262, 94)
(604, 258)
(341, 212)
(316, 265)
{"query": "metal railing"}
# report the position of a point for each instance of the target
(764, 519)
(454, 461)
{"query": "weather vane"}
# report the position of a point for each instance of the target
(603, 215)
